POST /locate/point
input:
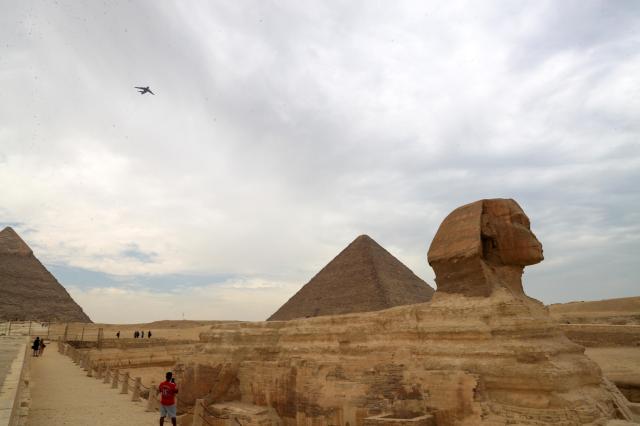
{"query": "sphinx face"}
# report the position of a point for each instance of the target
(506, 235)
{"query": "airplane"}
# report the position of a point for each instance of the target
(144, 90)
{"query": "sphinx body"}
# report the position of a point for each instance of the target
(481, 352)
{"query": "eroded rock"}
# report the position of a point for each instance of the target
(483, 246)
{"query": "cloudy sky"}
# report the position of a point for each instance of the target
(281, 130)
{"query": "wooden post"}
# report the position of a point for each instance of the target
(66, 332)
(107, 376)
(135, 396)
(48, 328)
(9, 332)
(125, 383)
(114, 382)
(82, 336)
(153, 397)
(29, 332)
(198, 412)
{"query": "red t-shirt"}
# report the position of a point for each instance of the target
(168, 391)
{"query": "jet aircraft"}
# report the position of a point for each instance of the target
(143, 90)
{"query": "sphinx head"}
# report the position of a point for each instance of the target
(482, 246)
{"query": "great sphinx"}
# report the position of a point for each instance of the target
(480, 352)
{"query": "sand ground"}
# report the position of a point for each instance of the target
(620, 364)
(62, 394)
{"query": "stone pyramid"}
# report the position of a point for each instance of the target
(363, 277)
(29, 291)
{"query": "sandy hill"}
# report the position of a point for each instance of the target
(29, 291)
(363, 277)
(621, 311)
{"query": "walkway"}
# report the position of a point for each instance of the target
(62, 394)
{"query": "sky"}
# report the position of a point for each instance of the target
(281, 130)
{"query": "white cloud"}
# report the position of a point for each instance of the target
(243, 299)
(280, 132)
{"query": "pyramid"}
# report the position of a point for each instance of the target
(29, 291)
(363, 277)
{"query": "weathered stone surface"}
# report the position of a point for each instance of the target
(479, 353)
(363, 277)
(483, 246)
(29, 291)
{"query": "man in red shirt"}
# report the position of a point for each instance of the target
(168, 390)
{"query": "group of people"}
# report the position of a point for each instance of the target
(140, 334)
(137, 334)
(38, 346)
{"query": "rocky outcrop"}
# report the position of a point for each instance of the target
(29, 291)
(480, 353)
(363, 277)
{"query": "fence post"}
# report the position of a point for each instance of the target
(9, 332)
(114, 382)
(198, 412)
(99, 339)
(48, 328)
(153, 398)
(125, 383)
(82, 335)
(107, 375)
(135, 396)
(29, 332)
(66, 332)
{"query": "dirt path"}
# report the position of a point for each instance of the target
(62, 394)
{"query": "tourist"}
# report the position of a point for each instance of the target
(136, 334)
(36, 346)
(142, 334)
(118, 334)
(149, 334)
(168, 391)
(41, 349)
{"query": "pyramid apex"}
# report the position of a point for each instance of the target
(11, 243)
(362, 277)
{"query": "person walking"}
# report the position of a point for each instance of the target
(149, 334)
(36, 346)
(136, 334)
(118, 334)
(142, 334)
(168, 390)
(41, 349)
